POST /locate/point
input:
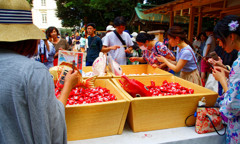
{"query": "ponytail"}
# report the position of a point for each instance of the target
(188, 42)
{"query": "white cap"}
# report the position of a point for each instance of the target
(133, 39)
(134, 34)
(110, 28)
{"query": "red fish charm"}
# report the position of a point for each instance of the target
(134, 87)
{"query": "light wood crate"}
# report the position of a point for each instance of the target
(89, 69)
(140, 69)
(161, 112)
(97, 119)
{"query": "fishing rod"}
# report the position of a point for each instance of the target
(205, 60)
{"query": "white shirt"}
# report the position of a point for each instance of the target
(210, 41)
(103, 38)
(67, 38)
(196, 43)
(119, 54)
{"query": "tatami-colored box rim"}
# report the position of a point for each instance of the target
(97, 119)
(171, 111)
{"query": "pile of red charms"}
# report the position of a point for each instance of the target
(172, 88)
(85, 96)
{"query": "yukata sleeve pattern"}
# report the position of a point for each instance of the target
(161, 49)
(230, 104)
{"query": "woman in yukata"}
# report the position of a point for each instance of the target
(150, 50)
(227, 33)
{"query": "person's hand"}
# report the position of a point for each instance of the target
(160, 58)
(71, 79)
(133, 59)
(218, 73)
(154, 65)
(128, 51)
(56, 55)
(221, 69)
(163, 65)
(115, 47)
(216, 63)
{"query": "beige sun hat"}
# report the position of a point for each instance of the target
(16, 21)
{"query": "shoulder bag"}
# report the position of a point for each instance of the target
(120, 38)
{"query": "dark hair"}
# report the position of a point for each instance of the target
(198, 37)
(177, 31)
(221, 30)
(25, 47)
(50, 30)
(118, 21)
(92, 24)
(143, 37)
(202, 33)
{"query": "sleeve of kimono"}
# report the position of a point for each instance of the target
(47, 114)
(144, 55)
(161, 49)
(230, 105)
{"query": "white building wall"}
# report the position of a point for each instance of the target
(50, 10)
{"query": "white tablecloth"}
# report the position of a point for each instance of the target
(181, 135)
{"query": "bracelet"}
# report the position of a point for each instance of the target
(228, 67)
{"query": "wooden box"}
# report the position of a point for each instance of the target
(89, 69)
(97, 119)
(141, 69)
(161, 112)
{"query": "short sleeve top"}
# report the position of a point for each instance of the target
(187, 54)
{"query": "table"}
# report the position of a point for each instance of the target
(181, 135)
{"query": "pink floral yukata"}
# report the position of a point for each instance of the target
(158, 49)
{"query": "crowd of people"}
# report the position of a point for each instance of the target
(29, 108)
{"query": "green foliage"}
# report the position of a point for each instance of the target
(101, 12)
(30, 1)
(158, 2)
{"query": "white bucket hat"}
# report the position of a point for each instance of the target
(16, 22)
(110, 28)
(134, 34)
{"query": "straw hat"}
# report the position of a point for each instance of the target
(16, 21)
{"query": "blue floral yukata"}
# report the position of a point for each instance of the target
(230, 104)
(158, 49)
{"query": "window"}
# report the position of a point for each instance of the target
(44, 18)
(43, 2)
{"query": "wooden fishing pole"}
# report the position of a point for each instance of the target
(205, 60)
